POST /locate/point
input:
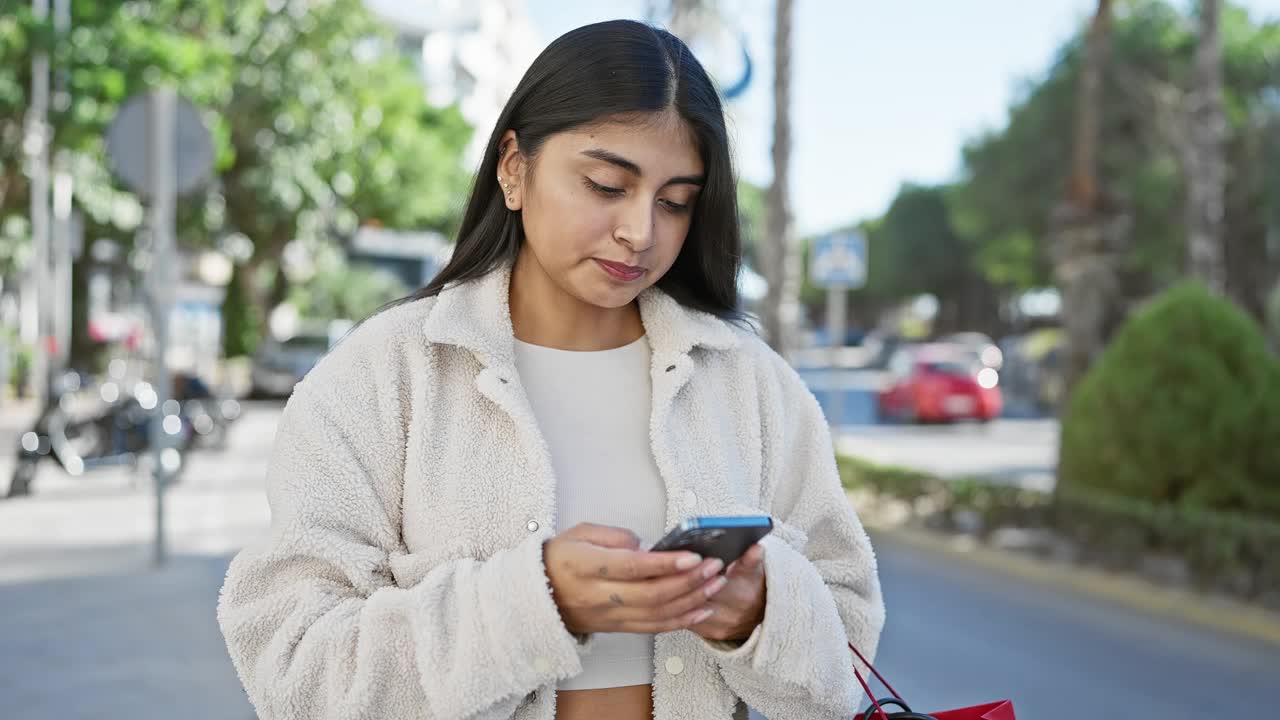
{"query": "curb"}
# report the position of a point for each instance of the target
(1222, 614)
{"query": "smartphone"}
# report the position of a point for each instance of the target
(727, 538)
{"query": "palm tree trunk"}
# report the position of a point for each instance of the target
(1086, 230)
(780, 253)
(1204, 159)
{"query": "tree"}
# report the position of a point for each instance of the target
(1204, 154)
(335, 290)
(917, 250)
(1142, 125)
(318, 123)
(241, 321)
(1087, 227)
(780, 252)
(328, 126)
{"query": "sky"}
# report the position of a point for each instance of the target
(885, 91)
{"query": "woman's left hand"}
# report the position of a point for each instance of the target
(739, 601)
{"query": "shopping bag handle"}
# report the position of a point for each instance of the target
(879, 710)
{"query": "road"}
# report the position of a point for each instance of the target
(89, 631)
(958, 636)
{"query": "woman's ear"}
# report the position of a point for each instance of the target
(511, 167)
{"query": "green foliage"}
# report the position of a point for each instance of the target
(318, 122)
(752, 208)
(1181, 409)
(340, 291)
(1225, 551)
(898, 482)
(1015, 175)
(241, 321)
(919, 250)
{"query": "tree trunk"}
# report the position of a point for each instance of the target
(1248, 265)
(1087, 231)
(779, 251)
(1203, 153)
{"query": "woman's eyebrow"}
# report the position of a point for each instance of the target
(617, 160)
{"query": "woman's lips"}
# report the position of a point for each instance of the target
(619, 271)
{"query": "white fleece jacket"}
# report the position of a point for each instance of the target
(411, 494)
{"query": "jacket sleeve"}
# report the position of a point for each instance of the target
(821, 579)
(314, 621)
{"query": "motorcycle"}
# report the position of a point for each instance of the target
(209, 415)
(118, 431)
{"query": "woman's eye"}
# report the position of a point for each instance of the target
(604, 190)
(675, 207)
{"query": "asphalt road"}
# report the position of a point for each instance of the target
(958, 635)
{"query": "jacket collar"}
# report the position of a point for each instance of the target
(476, 315)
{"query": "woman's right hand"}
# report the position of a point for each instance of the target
(603, 582)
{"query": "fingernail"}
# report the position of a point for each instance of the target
(716, 566)
(702, 616)
(717, 586)
(688, 561)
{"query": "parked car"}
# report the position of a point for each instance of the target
(280, 365)
(939, 383)
(981, 347)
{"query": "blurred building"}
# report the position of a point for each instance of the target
(468, 52)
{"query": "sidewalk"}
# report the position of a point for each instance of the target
(142, 645)
(88, 629)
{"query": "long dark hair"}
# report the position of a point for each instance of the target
(586, 75)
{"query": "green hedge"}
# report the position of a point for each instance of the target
(1183, 408)
(1223, 551)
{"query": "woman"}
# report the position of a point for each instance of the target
(462, 490)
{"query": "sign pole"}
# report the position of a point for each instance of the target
(160, 149)
(839, 265)
(162, 212)
(836, 297)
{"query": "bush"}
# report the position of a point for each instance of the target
(1222, 551)
(897, 482)
(1183, 408)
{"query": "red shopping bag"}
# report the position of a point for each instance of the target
(999, 710)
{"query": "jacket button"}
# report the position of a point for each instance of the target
(690, 499)
(541, 665)
(675, 665)
(533, 526)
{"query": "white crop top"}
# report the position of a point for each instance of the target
(593, 411)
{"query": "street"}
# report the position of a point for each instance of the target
(958, 636)
(90, 631)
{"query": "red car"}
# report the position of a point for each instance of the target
(939, 383)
